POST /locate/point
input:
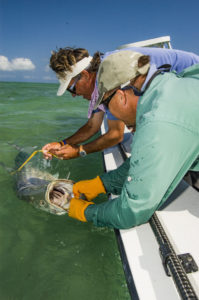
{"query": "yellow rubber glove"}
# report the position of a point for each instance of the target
(90, 188)
(77, 208)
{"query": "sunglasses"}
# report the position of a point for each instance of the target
(128, 87)
(135, 90)
(107, 100)
(72, 88)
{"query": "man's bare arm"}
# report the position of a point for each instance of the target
(113, 136)
(88, 130)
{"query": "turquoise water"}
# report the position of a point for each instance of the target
(43, 256)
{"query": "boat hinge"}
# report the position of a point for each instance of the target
(187, 261)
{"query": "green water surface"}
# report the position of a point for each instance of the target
(43, 256)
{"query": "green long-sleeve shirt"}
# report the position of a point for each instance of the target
(165, 146)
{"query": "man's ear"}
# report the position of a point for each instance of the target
(122, 97)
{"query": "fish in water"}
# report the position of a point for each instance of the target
(41, 188)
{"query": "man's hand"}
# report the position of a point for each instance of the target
(66, 152)
(49, 148)
(90, 188)
(77, 209)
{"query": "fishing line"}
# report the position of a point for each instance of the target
(29, 158)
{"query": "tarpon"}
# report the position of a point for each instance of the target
(41, 188)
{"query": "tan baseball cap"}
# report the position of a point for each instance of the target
(117, 69)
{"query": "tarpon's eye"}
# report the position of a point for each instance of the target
(42, 202)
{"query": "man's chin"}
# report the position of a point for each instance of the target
(86, 98)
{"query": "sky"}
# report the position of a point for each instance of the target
(31, 29)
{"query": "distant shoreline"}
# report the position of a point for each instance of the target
(32, 82)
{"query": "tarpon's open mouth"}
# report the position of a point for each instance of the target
(58, 195)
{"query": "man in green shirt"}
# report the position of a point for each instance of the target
(162, 109)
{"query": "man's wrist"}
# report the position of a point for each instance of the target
(62, 142)
(82, 152)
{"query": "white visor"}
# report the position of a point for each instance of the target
(76, 69)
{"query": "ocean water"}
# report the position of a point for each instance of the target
(43, 256)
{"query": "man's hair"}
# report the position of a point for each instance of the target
(95, 62)
(62, 60)
(142, 61)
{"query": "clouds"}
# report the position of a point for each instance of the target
(16, 64)
(23, 69)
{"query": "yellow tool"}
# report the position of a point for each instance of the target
(29, 158)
